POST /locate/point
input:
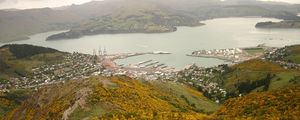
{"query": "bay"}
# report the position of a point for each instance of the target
(216, 34)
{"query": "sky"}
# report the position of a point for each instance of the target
(26, 4)
(289, 1)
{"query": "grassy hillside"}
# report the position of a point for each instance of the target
(277, 104)
(18, 60)
(293, 54)
(257, 75)
(10, 100)
(108, 98)
(290, 54)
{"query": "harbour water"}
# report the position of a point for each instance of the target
(216, 34)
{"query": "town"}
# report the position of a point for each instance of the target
(234, 55)
(278, 57)
(73, 66)
(79, 66)
(205, 80)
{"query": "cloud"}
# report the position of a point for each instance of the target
(288, 1)
(25, 4)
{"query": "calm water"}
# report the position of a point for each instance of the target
(216, 34)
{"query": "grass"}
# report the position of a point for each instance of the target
(88, 112)
(294, 54)
(277, 104)
(9, 101)
(23, 67)
(254, 50)
(192, 96)
(293, 58)
(255, 74)
(118, 96)
(283, 79)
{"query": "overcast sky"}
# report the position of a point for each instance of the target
(25, 4)
(289, 1)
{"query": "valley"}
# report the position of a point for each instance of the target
(192, 93)
(149, 60)
(130, 16)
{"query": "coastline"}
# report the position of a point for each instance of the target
(201, 23)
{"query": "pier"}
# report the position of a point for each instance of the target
(147, 69)
(234, 55)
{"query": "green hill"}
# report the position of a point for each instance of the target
(18, 60)
(289, 54)
(277, 104)
(279, 69)
(268, 90)
(110, 98)
(258, 75)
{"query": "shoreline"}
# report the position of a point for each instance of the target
(201, 23)
(234, 55)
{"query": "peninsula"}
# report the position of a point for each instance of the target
(282, 24)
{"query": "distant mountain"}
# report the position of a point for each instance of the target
(19, 24)
(16, 25)
(137, 21)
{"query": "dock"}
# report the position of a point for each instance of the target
(144, 62)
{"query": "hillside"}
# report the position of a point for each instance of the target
(139, 20)
(255, 89)
(18, 60)
(278, 69)
(277, 104)
(110, 98)
(290, 54)
(258, 75)
(18, 25)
